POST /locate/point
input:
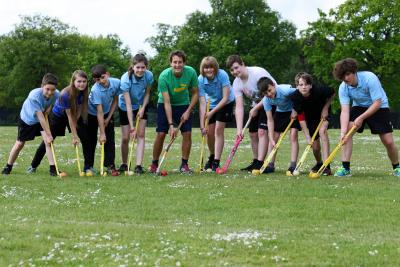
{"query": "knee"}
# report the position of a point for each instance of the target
(19, 145)
(389, 143)
(261, 133)
(141, 134)
(124, 139)
(219, 131)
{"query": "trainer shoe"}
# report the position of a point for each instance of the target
(6, 170)
(250, 167)
(52, 173)
(31, 170)
(342, 172)
(269, 169)
(396, 172)
(111, 170)
(209, 164)
(327, 172)
(153, 168)
(185, 169)
(123, 168)
(139, 169)
(215, 166)
(316, 167)
(290, 171)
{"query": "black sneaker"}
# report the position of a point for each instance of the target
(327, 172)
(52, 173)
(250, 167)
(6, 170)
(209, 163)
(139, 170)
(31, 170)
(269, 169)
(316, 167)
(123, 168)
(215, 166)
(290, 171)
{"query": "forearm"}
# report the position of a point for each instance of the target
(202, 110)
(146, 98)
(128, 104)
(100, 120)
(113, 107)
(303, 125)
(344, 121)
(239, 113)
(193, 101)
(271, 126)
(371, 110)
(72, 123)
(43, 122)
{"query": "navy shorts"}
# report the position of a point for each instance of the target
(281, 121)
(378, 123)
(28, 132)
(177, 111)
(223, 115)
(58, 124)
(123, 116)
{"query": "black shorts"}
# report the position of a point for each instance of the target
(312, 124)
(281, 121)
(123, 116)
(58, 124)
(378, 123)
(223, 115)
(258, 122)
(28, 132)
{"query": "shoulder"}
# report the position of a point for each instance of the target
(222, 74)
(114, 81)
(189, 70)
(165, 73)
(124, 77)
(148, 75)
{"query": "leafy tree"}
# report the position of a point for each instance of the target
(368, 31)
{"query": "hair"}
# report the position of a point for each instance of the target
(209, 62)
(233, 59)
(135, 60)
(305, 76)
(49, 78)
(98, 70)
(343, 67)
(263, 84)
(73, 94)
(178, 53)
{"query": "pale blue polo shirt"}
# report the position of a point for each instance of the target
(367, 91)
(36, 102)
(213, 90)
(282, 100)
(100, 95)
(136, 88)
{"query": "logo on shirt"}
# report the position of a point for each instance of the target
(180, 89)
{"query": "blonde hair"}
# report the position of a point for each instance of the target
(209, 62)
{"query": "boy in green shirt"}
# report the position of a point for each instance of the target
(175, 105)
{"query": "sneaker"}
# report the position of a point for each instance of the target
(52, 173)
(31, 170)
(185, 169)
(6, 170)
(111, 170)
(153, 168)
(209, 163)
(215, 166)
(123, 168)
(396, 172)
(327, 172)
(290, 171)
(342, 172)
(139, 170)
(250, 167)
(316, 167)
(269, 169)
(90, 172)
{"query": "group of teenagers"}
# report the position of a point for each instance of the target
(88, 115)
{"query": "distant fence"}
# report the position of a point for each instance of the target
(10, 117)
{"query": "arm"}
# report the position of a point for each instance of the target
(325, 109)
(193, 102)
(145, 101)
(128, 105)
(100, 120)
(202, 114)
(303, 125)
(72, 124)
(271, 127)
(112, 109)
(254, 111)
(45, 126)
(239, 113)
(368, 113)
(344, 119)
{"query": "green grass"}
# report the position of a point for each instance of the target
(200, 220)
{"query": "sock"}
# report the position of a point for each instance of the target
(258, 164)
(9, 166)
(211, 157)
(394, 165)
(346, 165)
(53, 168)
(292, 164)
(216, 162)
(155, 162)
(184, 161)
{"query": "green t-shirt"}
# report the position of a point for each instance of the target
(177, 87)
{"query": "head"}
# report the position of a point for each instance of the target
(304, 82)
(100, 75)
(266, 87)
(235, 65)
(177, 60)
(209, 67)
(345, 70)
(138, 65)
(78, 84)
(49, 83)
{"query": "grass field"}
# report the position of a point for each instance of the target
(203, 219)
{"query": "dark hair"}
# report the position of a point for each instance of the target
(73, 93)
(49, 78)
(263, 84)
(98, 70)
(178, 53)
(137, 59)
(305, 76)
(343, 67)
(233, 59)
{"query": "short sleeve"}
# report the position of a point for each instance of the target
(266, 104)
(149, 78)
(64, 101)
(194, 82)
(125, 83)
(202, 91)
(96, 98)
(236, 88)
(224, 78)
(344, 97)
(375, 88)
(162, 84)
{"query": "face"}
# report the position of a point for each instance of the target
(271, 91)
(103, 80)
(139, 69)
(350, 78)
(80, 83)
(236, 70)
(48, 90)
(303, 87)
(209, 71)
(177, 65)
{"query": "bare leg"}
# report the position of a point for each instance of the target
(262, 144)
(254, 144)
(348, 147)
(15, 151)
(48, 149)
(219, 139)
(391, 149)
(186, 144)
(211, 138)
(294, 144)
(140, 142)
(124, 143)
(323, 133)
(158, 145)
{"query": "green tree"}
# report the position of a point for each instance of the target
(368, 31)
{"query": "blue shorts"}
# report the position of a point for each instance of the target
(177, 111)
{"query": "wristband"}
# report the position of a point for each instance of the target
(170, 124)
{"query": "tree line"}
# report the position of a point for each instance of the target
(368, 31)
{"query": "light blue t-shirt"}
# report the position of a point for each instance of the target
(368, 90)
(214, 89)
(282, 100)
(36, 102)
(100, 95)
(136, 88)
